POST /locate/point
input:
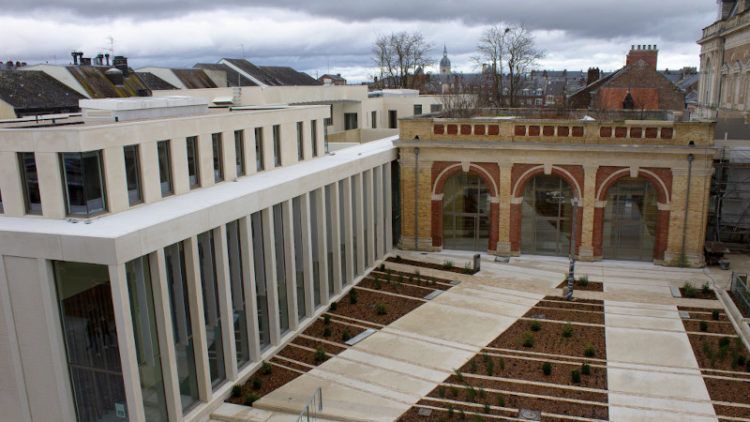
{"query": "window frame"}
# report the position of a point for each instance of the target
(217, 149)
(136, 150)
(32, 209)
(169, 191)
(82, 157)
(239, 153)
(276, 130)
(191, 143)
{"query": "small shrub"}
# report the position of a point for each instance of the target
(417, 274)
(381, 267)
(715, 315)
(326, 319)
(583, 280)
(461, 414)
(454, 391)
(448, 265)
(250, 399)
(266, 368)
(486, 358)
(327, 331)
(467, 268)
(703, 326)
(501, 363)
(471, 394)
(334, 306)
(547, 368)
(441, 391)
(688, 289)
(473, 366)
(741, 360)
(346, 336)
(377, 284)
(575, 376)
(528, 340)
(353, 297)
(487, 408)
(459, 375)
(705, 288)
(380, 309)
(482, 393)
(747, 365)
(586, 369)
(236, 391)
(589, 351)
(489, 367)
(501, 401)
(450, 412)
(257, 383)
(535, 326)
(400, 278)
(567, 331)
(724, 342)
(320, 355)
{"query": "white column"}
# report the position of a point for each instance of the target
(360, 223)
(271, 281)
(51, 188)
(387, 185)
(368, 184)
(290, 267)
(206, 160)
(307, 261)
(195, 296)
(128, 358)
(113, 169)
(229, 155)
(336, 230)
(322, 237)
(221, 256)
(149, 161)
(163, 315)
(347, 231)
(377, 175)
(180, 178)
(251, 300)
(252, 165)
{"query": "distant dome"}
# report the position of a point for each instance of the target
(445, 62)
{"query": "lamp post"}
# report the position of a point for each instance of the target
(558, 197)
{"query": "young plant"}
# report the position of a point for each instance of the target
(583, 280)
(377, 284)
(448, 265)
(417, 274)
(489, 367)
(703, 325)
(266, 368)
(715, 315)
(459, 375)
(250, 399)
(320, 355)
(441, 392)
(353, 297)
(705, 288)
(471, 394)
(501, 363)
(381, 267)
(473, 366)
(482, 393)
(586, 369)
(501, 401)
(589, 350)
(380, 309)
(450, 412)
(688, 289)
(547, 368)
(327, 331)
(535, 326)
(487, 409)
(528, 340)
(346, 335)
(236, 391)
(454, 391)
(257, 383)
(575, 376)
(326, 319)
(334, 306)
(567, 331)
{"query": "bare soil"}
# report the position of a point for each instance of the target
(559, 314)
(411, 278)
(698, 293)
(300, 355)
(715, 327)
(735, 391)
(550, 339)
(337, 329)
(440, 267)
(395, 287)
(577, 303)
(365, 308)
(703, 313)
(270, 382)
(526, 388)
(710, 355)
(591, 286)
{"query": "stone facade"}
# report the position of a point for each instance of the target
(590, 156)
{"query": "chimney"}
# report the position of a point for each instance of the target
(592, 75)
(106, 57)
(647, 53)
(75, 57)
(121, 62)
(99, 60)
(9, 64)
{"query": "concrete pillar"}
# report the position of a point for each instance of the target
(149, 172)
(251, 300)
(269, 260)
(268, 147)
(377, 175)
(307, 254)
(229, 155)
(336, 229)
(504, 207)
(181, 180)
(221, 257)
(387, 184)
(588, 227)
(307, 148)
(128, 357)
(51, 187)
(290, 267)
(206, 160)
(11, 187)
(195, 296)
(113, 168)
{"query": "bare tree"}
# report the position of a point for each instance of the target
(460, 98)
(398, 55)
(521, 54)
(491, 52)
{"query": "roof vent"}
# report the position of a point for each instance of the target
(115, 76)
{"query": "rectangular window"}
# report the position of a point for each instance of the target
(314, 137)
(165, 167)
(300, 142)
(237, 284)
(192, 161)
(374, 119)
(329, 235)
(436, 108)
(417, 109)
(328, 121)
(1, 203)
(366, 212)
(84, 182)
(30, 180)
(261, 290)
(278, 233)
(342, 233)
(355, 223)
(146, 338)
(277, 145)
(350, 121)
(187, 375)
(259, 162)
(133, 174)
(392, 119)
(239, 152)
(218, 151)
(299, 261)
(212, 317)
(376, 204)
(315, 246)
(90, 336)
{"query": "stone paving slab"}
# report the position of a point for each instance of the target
(428, 354)
(399, 366)
(649, 347)
(619, 413)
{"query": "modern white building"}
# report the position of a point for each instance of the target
(152, 256)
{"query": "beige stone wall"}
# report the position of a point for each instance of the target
(421, 209)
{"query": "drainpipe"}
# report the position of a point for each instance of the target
(690, 158)
(416, 197)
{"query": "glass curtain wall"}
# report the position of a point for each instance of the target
(466, 211)
(342, 234)
(192, 161)
(546, 216)
(259, 159)
(211, 312)
(165, 167)
(237, 285)
(278, 233)
(181, 325)
(93, 354)
(133, 174)
(329, 236)
(217, 145)
(299, 260)
(315, 245)
(314, 137)
(261, 291)
(30, 180)
(355, 185)
(366, 214)
(630, 220)
(239, 152)
(84, 182)
(146, 338)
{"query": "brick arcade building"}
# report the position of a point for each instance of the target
(504, 186)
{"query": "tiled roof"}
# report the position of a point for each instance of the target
(232, 75)
(97, 85)
(154, 82)
(194, 78)
(273, 75)
(33, 90)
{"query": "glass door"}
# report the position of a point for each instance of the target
(630, 221)
(466, 210)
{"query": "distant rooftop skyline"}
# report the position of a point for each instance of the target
(333, 37)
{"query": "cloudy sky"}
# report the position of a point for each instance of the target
(318, 36)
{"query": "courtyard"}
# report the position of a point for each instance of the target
(438, 343)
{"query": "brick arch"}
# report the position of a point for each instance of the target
(522, 174)
(441, 172)
(659, 179)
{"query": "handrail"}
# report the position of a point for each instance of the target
(313, 407)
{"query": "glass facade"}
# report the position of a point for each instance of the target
(366, 214)
(93, 355)
(329, 236)
(277, 145)
(466, 210)
(300, 142)
(218, 154)
(314, 241)
(546, 216)
(237, 285)
(377, 202)
(133, 174)
(212, 316)
(146, 339)
(279, 239)
(259, 159)
(192, 161)
(181, 324)
(314, 137)
(165, 167)
(30, 180)
(83, 179)
(355, 184)
(342, 233)
(630, 219)
(239, 152)
(299, 260)
(261, 290)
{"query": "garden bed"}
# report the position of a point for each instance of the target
(589, 286)
(704, 313)
(559, 314)
(703, 292)
(707, 326)
(554, 338)
(720, 352)
(577, 303)
(268, 378)
(375, 307)
(504, 385)
(395, 287)
(334, 331)
(412, 278)
(446, 266)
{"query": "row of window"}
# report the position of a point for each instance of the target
(83, 173)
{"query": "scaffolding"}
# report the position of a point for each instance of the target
(729, 208)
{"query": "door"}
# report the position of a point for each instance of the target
(466, 210)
